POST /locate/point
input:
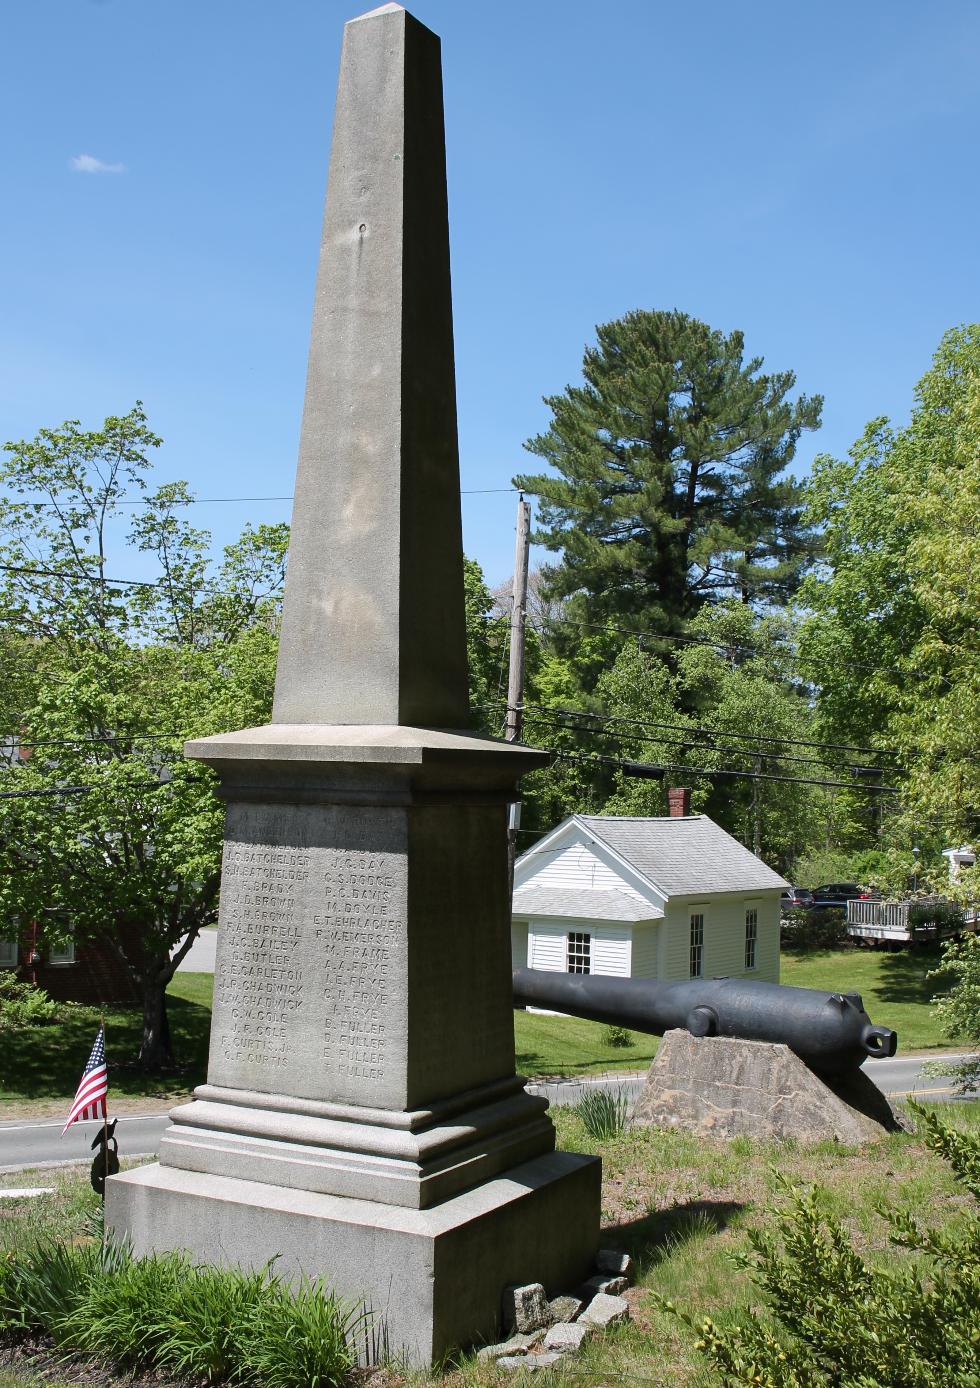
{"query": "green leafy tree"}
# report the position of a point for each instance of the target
(106, 831)
(487, 648)
(959, 1009)
(839, 1322)
(891, 640)
(699, 715)
(669, 485)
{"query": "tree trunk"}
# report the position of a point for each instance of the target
(155, 1050)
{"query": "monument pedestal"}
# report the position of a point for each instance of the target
(433, 1278)
(362, 1120)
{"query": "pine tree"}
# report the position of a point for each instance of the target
(671, 489)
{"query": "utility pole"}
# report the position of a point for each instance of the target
(518, 622)
(515, 679)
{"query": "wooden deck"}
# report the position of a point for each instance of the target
(887, 922)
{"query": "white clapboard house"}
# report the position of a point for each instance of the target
(668, 898)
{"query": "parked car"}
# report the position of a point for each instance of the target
(796, 898)
(840, 893)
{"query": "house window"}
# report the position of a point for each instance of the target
(8, 954)
(751, 935)
(579, 955)
(697, 944)
(62, 954)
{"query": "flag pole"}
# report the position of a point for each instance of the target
(105, 1113)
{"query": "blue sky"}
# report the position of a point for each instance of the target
(805, 173)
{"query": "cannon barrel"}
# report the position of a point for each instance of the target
(830, 1032)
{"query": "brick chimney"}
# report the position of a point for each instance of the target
(679, 801)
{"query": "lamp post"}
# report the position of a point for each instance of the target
(915, 871)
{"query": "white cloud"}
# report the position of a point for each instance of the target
(87, 163)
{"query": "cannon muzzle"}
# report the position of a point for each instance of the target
(830, 1032)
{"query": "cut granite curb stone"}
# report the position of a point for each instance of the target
(611, 1286)
(517, 1344)
(530, 1363)
(525, 1308)
(614, 1263)
(564, 1308)
(566, 1339)
(605, 1310)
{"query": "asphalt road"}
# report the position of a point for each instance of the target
(40, 1143)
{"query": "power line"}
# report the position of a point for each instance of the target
(71, 790)
(53, 790)
(701, 746)
(712, 732)
(72, 576)
(720, 645)
(220, 500)
(651, 771)
(29, 743)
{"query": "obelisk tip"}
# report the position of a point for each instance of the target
(373, 14)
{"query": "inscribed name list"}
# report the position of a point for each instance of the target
(312, 948)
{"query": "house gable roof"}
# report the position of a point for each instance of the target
(683, 856)
(582, 904)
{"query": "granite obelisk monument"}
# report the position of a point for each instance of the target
(361, 1119)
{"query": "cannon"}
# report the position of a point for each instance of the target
(830, 1032)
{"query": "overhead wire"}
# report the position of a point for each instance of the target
(653, 771)
(537, 720)
(231, 500)
(711, 732)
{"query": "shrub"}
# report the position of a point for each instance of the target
(603, 1113)
(24, 1005)
(162, 1315)
(814, 929)
(839, 1321)
(619, 1037)
(943, 915)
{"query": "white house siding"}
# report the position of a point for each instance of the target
(546, 945)
(610, 954)
(610, 948)
(724, 937)
(518, 944)
(645, 949)
(580, 866)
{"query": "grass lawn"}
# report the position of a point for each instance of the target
(682, 1205)
(571, 1046)
(894, 988)
(45, 1063)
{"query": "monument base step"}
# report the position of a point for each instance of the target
(329, 1148)
(432, 1278)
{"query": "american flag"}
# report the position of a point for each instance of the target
(92, 1088)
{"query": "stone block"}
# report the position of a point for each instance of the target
(567, 1339)
(517, 1344)
(614, 1263)
(721, 1086)
(432, 1278)
(525, 1308)
(528, 1363)
(611, 1286)
(564, 1308)
(604, 1310)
